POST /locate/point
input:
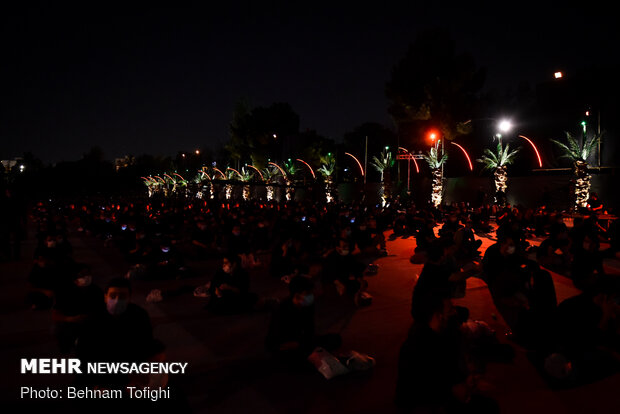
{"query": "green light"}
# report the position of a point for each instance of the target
(329, 154)
(583, 123)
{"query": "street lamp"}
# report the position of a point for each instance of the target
(503, 126)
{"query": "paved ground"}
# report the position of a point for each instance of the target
(229, 371)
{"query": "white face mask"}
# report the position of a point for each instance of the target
(84, 281)
(511, 249)
(343, 252)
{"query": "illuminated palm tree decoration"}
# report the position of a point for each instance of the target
(231, 174)
(169, 181)
(180, 184)
(151, 185)
(499, 161)
(436, 162)
(199, 179)
(269, 175)
(291, 169)
(578, 153)
(383, 165)
(246, 177)
(327, 171)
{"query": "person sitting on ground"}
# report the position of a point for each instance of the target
(586, 332)
(46, 277)
(554, 252)
(168, 262)
(229, 289)
(74, 305)
(291, 334)
(587, 264)
(122, 332)
(345, 271)
(466, 244)
(368, 240)
(440, 277)
(450, 227)
(523, 293)
(433, 375)
(424, 237)
(202, 240)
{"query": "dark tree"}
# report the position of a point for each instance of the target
(433, 86)
(262, 133)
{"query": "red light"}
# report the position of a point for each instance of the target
(433, 135)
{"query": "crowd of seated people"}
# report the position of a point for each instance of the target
(160, 239)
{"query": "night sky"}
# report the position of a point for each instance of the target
(154, 80)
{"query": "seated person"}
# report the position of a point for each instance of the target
(74, 305)
(587, 264)
(587, 335)
(440, 277)
(432, 373)
(450, 227)
(345, 271)
(203, 240)
(291, 332)
(523, 293)
(230, 287)
(466, 244)
(286, 256)
(424, 237)
(368, 240)
(122, 332)
(168, 262)
(141, 249)
(44, 280)
(554, 252)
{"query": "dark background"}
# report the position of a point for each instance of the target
(145, 79)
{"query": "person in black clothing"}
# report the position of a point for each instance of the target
(345, 271)
(450, 227)
(439, 278)
(433, 375)
(230, 287)
(74, 305)
(291, 332)
(51, 271)
(587, 264)
(203, 240)
(466, 244)
(586, 335)
(523, 293)
(424, 237)
(554, 252)
(168, 262)
(120, 333)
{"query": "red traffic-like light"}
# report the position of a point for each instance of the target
(433, 135)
